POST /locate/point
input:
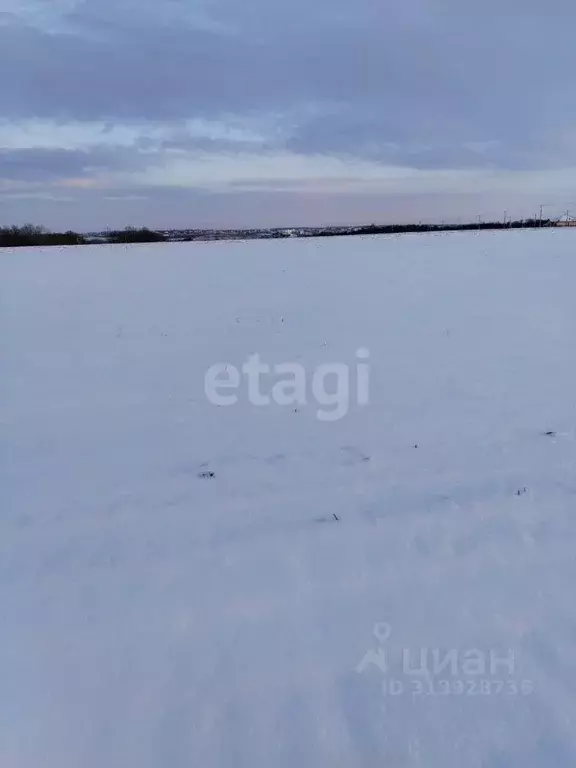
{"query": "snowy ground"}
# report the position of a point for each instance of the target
(152, 618)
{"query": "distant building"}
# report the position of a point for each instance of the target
(566, 221)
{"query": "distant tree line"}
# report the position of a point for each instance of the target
(396, 229)
(135, 235)
(31, 235)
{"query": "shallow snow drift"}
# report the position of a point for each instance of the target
(184, 584)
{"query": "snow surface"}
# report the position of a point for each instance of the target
(152, 618)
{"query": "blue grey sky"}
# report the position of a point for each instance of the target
(177, 113)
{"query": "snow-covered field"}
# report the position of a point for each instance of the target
(394, 588)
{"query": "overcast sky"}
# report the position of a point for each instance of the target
(260, 112)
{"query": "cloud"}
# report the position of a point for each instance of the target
(415, 98)
(74, 135)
